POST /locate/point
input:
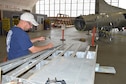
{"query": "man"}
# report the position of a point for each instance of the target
(18, 42)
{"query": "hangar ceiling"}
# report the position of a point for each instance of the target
(17, 5)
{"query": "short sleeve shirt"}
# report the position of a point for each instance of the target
(18, 42)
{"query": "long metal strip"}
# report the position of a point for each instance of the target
(28, 57)
(7, 67)
(86, 51)
(21, 58)
(12, 65)
(61, 54)
(20, 70)
(74, 53)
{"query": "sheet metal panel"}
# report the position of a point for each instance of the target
(72, 70)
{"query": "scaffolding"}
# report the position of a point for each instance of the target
(62, 19)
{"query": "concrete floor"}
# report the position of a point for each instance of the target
(110, 53)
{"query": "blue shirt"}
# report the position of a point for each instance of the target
(18, 43)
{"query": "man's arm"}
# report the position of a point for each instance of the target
(35, 49)
(37, 39)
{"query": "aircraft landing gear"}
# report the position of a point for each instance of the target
(105, 33)
(120, 29)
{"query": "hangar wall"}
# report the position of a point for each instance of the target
(11, 18)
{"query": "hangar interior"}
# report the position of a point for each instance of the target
(74, 28)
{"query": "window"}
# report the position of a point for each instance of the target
(73, 8)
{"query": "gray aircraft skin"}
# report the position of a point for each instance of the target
(106, 16)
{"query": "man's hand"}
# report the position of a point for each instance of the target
(50, 45)
(41, 38)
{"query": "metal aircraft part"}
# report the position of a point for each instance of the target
(87, 22)
(102, 6)
(104, 17)
(57, 65)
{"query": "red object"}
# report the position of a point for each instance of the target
(62, 39)
(93, 36)
(63, 34)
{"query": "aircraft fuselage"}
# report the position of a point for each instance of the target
(87, 22)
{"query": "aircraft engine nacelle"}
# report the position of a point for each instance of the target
(81, 24)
